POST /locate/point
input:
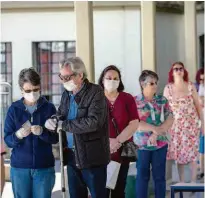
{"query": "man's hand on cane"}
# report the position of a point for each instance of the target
(52, 123)
(60, 122)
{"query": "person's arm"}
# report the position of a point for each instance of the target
(127, 133)
(159, 130)
(198, 106)
(166, 92)
(144, 127)
(133, 118)
(166, 125)
(202, 123)
(48, 136)
(168, 118)
(3, 152)
(10, 137)
(2, 174)
(95, 116)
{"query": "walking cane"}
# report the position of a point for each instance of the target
(61, 158)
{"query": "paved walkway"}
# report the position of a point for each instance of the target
(57, 193)
(7, 193)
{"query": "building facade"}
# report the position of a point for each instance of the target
(40, 34)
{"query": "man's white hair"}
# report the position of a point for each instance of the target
(76, 64)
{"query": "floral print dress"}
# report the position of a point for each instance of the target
(184, 144)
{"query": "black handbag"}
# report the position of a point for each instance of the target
(128, 149)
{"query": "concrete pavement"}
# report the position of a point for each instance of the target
(7, 193)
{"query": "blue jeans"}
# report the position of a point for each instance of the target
(201, 144)
(157, 159)
(32, 183)
(93, 179)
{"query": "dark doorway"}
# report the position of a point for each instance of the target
(201, 48)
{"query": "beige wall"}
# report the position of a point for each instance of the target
(118, 44)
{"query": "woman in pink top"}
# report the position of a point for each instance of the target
(184, 102)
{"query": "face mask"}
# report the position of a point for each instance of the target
(201, 90)
(70, 85)
(32, 96)
(111, 85)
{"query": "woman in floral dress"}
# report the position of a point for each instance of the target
(184, 102)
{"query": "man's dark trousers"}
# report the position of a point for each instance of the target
(79, 181)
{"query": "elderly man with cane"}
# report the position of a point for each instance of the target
(83, 121)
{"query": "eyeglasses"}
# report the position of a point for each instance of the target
(152, 83)
(31, 90)
(66, 78)
(178, 69)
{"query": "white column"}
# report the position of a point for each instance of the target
(190, 38)
(20, 47)
(148, 10)
(84, 35)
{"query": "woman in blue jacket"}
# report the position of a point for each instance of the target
(32, 160)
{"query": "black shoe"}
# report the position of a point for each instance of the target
(202, 175)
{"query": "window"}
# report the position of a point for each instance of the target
(46, 58)
(5, 88)
(6, 62)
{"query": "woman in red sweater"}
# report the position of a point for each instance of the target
(122, 108)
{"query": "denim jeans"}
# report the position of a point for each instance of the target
(79, 181)
(32, 183)
(119, 191)
(157, 159)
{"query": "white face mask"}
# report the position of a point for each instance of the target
(32, 96)
(111, 85)
(70, 85)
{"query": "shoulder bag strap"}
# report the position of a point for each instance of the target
(114, 123)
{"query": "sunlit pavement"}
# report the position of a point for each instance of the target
(57, 188)
(7, 193)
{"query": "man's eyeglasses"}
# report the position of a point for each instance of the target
(178, 69)
(31, 90)
(66, 78)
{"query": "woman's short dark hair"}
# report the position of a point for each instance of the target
(145, 74)
(108, 68)
(29, 75)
